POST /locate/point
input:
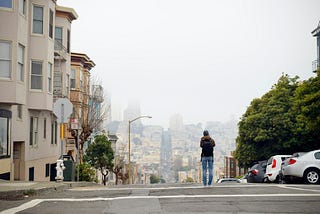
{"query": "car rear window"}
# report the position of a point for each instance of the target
(317, 155)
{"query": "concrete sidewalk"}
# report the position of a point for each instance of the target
(17, 190)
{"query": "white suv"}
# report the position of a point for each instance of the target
(274, 167)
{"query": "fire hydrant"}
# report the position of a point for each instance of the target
(60, 167)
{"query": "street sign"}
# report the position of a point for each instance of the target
(62, 108)
(74, 123)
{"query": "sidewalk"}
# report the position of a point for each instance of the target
(17, 190)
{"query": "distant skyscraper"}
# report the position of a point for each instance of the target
(166, 163)
(132, 111)
(176, 122)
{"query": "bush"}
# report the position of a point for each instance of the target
(87, 173)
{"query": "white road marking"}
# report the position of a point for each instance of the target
(161, 188)
(296, 188)
(35, 202)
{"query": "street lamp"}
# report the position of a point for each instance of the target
(130, 121)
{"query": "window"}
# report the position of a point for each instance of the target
(55, 131)
(81, 80)
(20, 74)
(58, 38)
(68, 84)
(47, 173)
(54, 128)
(4, 133)
(22, 7)
(45, 128)
(52, 133)
(49, 84)
(73, 79)
(68, 41)
(37, 20)
(51, 24)
(317, 155)
(5, 59)
(33, 131)
(19, 113)
(6, 3)
(36, 75)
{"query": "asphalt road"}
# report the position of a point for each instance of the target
(221, 198)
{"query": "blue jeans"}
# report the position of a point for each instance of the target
(207, 163)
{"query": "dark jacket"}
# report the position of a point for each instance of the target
(207, 139)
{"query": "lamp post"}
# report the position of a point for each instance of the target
(129, 146)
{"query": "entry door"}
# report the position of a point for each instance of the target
(17, 149)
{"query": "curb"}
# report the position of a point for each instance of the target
(40, 189)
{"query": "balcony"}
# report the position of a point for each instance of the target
(60, 52)
(315, 66)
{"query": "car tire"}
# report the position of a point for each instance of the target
(311, 176)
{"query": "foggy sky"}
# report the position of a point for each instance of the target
(203, 59)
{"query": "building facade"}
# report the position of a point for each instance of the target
(316, 63)
(81, 65)
(29, 132)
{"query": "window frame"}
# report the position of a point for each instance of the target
(5, 117)
(20, 62)
(19, 112)
(23, 8)
(34, 132)
(34, 31)
(49, 78)
(73, 78)
(8, 60)
(36, 75)
(58, 42)
(51, 23)
(45, 128)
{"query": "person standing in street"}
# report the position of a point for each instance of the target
(207, 144)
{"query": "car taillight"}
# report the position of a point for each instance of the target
(292, 161)
(255, 171)
(274, 163)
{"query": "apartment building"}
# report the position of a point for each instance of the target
(29, 61)
(81, 65)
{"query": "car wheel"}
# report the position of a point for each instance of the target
(311, 176)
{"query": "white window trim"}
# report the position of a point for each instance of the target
(21, 63)
(30, 75)
(10, 64)
(50, 67)
(43, 19)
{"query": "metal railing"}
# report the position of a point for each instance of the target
(60, 49)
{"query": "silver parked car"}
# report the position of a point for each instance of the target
(305, 166)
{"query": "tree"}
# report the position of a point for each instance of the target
(307, 109)
(93, 113)
(266, 127)
(118, 168)
(100, 155)
(283, 121)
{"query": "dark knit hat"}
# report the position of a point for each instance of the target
(205, 133)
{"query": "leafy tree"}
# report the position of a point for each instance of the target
(100, 155)
(266, 127)
(307, 109)
(284, 120)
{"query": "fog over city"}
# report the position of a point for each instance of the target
(205, 60)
